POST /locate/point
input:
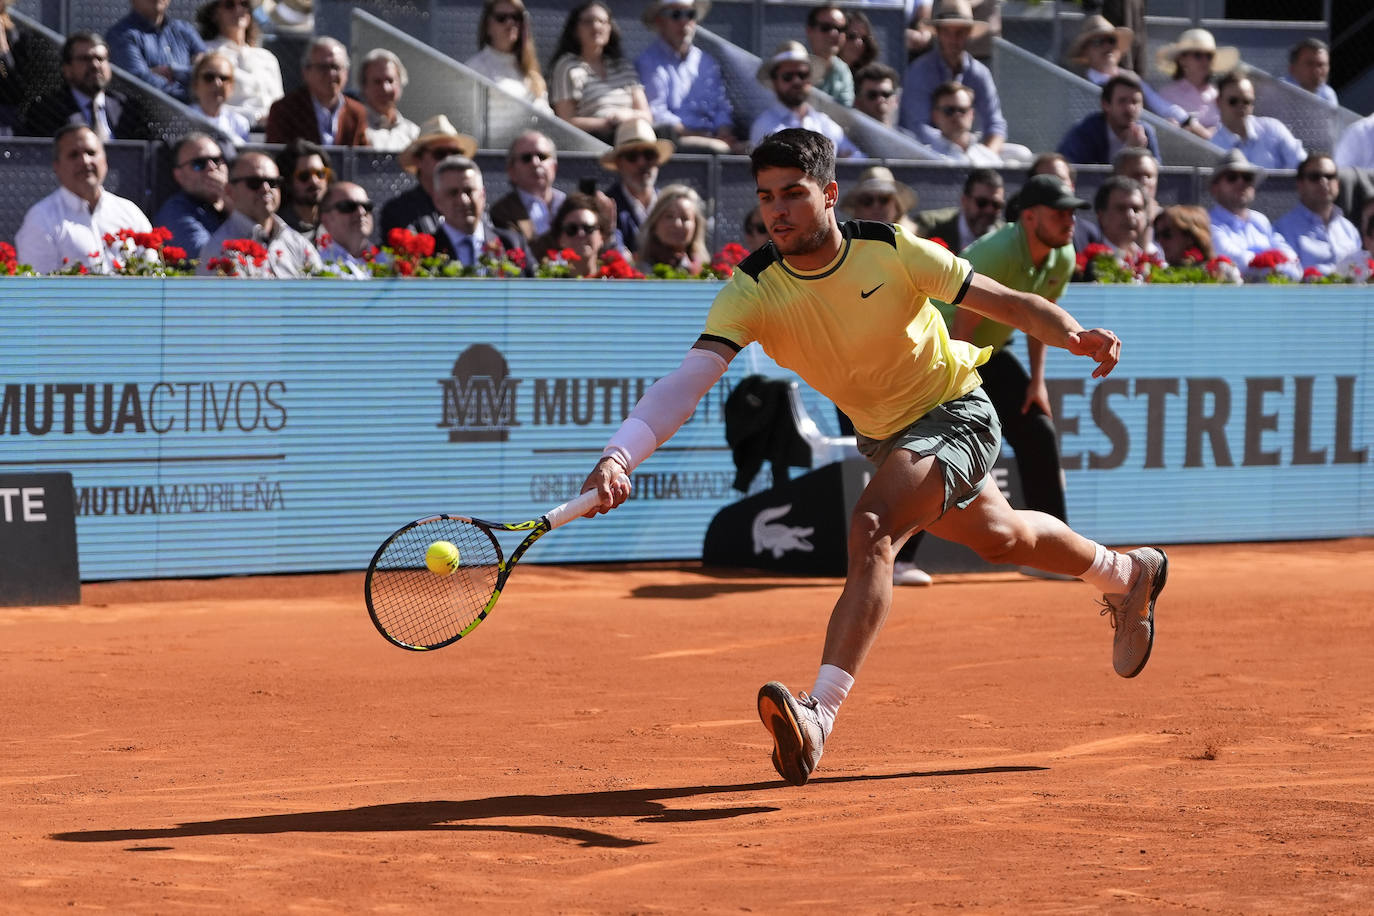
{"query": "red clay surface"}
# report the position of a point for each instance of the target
(253, 745)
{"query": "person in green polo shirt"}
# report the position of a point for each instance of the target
(1035, 255)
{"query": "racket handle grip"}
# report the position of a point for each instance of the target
(572, 509)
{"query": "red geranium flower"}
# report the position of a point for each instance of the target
(1268, 259)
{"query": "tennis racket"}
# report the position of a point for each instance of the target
(417, 609)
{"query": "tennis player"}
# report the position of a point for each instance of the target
(847, 307)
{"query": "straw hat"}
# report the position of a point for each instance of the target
(1095, 26)
(956, 12)
(291, 17)
(635, 133)
(787, 51)
(436, 128)
(1223, 59)
(879, 179)
(653, 9)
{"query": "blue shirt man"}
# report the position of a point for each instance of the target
(930, 70)
(1316, 228)
(196, 210)
(154, 48)
(1266, 142)
(684, 86)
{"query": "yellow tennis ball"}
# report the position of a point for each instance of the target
(442, 558)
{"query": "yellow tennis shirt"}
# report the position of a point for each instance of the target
(861, 330)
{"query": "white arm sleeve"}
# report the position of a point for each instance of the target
(665, 407)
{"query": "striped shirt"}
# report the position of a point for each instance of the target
(573, 78)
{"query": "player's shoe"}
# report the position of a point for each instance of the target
(798, 736)
(1133, 614)
(909, 574)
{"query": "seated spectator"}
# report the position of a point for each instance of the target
(85, 97)
(753, 231)
(788, 74)
(306, 172)
(228, 27)
(635, 158)
(860, 48)
(506, 55)
(1184, 235)
(1238, 232)
(1309, 66)
(381, 79)
(345, 241)
(675, 232)
(529, 207)
(951, 114)
(1355, 149)
(1141, 166)
(577, 227)
(879, 196)
(466, 235)
(198, 208)
(1361, 263)
(876, 93)
(212, 79)
(1190, 64)
(1316, 227)
(954, 26)
(1120, 207)
(592, 85)
(825, 33)
(155, 48)
(319, 111)
(68, 227)
(683, 85)
(415, 209)
(979, 212)
(920, 32)
(1097, 51)
(1266, 142)
(255, 194)
(1100, 136)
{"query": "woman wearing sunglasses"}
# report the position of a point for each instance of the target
(228, 27)
(1191, 62)
(576, 227)
(212, 81)
(506, 52)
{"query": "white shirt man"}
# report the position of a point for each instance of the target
(67, 228)
(255, 191)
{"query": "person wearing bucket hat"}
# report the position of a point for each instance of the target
(1265, 141)
(878, 195)
(1096, 52)
(850, 308)
(684, 85)
(1239, 232)
(635, 158)
(788, 74)
(1191, 62)
(950, 61)
(319, 111)
(414, 209)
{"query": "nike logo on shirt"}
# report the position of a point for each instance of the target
(865, 295)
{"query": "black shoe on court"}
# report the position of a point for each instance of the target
(798, 737)
(1133, 614)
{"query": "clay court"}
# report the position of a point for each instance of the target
(253, 745)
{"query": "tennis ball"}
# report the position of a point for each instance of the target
(442, 558)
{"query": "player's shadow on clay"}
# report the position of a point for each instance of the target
(643, 805)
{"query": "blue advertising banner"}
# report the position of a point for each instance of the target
(222, 426)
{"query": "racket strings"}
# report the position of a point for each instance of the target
(419, 608)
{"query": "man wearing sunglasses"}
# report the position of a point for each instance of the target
(825, 33)
(1266, 142)
(306, 171)
(255, 195)
(1239, 232)
(684, 86)
(197, 209)
(876, 93)
(635, 158)
(951, 114)
(346, 231)
(528, 207)
(788, 74)
(1316, 227)
(954, 27)
(979, 212)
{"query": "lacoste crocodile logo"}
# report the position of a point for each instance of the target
(863, 295)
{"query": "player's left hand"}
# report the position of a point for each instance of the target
(1102, 345)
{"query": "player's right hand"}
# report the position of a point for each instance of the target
(609, 480)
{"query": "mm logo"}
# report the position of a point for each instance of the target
(479, 400)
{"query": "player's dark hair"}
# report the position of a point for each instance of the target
(1114, 183)
(796, 148)
(990, 177)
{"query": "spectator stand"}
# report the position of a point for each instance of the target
(441, 85)
(1025, 82)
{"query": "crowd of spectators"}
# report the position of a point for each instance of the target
(672, 97)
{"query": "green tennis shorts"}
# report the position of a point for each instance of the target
(963, 435)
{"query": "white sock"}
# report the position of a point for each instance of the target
(1111, 572)
(831, 687)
